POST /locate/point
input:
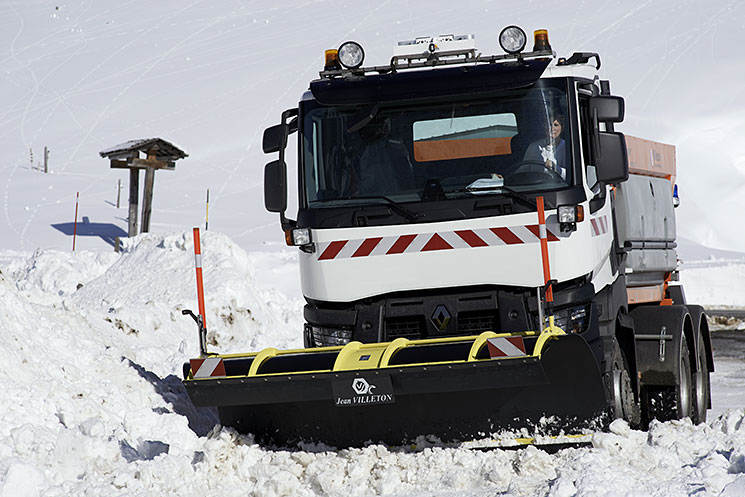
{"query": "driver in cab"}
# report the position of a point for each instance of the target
(551, 151)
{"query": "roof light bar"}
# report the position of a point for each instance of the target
(442, 50)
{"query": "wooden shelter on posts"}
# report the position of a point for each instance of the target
(149, 154)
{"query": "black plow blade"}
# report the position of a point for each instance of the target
(560, 389)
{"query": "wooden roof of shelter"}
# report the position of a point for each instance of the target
(159, 154)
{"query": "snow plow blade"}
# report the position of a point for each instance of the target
(456, 389)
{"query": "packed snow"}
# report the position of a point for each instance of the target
(93, 345)
(93, 341)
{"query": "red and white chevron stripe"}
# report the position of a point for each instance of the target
(207, 368)
(426, 242)
(599, 225)
(506, 347)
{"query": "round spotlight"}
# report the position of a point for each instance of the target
(512, 39)
(351, 54)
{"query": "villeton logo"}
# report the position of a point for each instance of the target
(361, 386)
(363, 391)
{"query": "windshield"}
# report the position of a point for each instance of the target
(517, 140)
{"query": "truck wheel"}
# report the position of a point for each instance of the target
(676, 402)
(625, 405)
(701, 385)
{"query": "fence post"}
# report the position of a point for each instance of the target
(207, 213)
(75, 225)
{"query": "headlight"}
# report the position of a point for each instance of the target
(569, 216)
(351, 54)
(512, 39)
(573, 319)
(328, 337)
(571, 213)
(301, 236)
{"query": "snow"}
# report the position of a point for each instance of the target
(93, 403)
(93, 341)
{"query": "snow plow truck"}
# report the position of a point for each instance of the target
(480, 250)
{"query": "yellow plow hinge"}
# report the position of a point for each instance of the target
(400, 352)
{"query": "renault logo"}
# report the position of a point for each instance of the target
(441, 318)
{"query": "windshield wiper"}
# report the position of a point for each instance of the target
(520, 196)
(395, 206)
(514, 194)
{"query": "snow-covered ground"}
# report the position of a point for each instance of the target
(92, 348)
(93, 341)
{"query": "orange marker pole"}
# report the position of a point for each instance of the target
(544, 252)
(75, 224)
(200, 294)
(544, 248)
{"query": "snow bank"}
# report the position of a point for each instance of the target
(715, 283)
(93, 402)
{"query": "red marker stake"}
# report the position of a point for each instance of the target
(544, 248)
(75, 225)
(198, 265)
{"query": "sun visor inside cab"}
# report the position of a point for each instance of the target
(414, 84)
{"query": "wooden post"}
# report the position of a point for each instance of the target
(134, 192)
(118, 192)
(46, 160)
(207, 212)
(147, 201)
(75, 225)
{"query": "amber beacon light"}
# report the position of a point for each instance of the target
(540, 37)
(332, 59)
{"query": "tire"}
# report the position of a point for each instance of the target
(701, 384)
(625, 405)
(675, 402)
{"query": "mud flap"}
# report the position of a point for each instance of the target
(560, 390)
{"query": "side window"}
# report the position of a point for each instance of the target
(586, 124)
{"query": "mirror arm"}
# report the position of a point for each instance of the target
(285, 223)
(292, 126)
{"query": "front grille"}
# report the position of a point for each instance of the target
(476, 322)
(411, 327)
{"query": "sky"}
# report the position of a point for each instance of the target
(79, 77)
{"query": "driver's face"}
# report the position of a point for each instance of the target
(555, 129)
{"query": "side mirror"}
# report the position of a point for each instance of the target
(609, 109)
(613, 162)
(275, 138)
(275, 186)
